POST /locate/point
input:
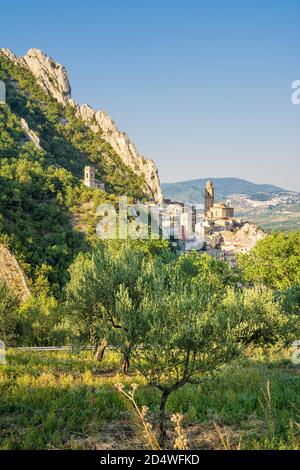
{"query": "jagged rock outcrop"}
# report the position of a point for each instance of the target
(11, 273)
(11, 56)
(31, 135)
(123, 146)
(53, 78)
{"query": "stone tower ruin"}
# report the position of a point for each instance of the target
(89, 176)
(90, 179)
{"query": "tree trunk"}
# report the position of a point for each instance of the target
(124, 365)
(125, 361)
(101, 350)
(162, 418)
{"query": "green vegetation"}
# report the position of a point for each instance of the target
(106, 293)
(62, 401)
(197, 336)
(274, 261)
(44, 206)
(175, 322)
(9, 305)
(175, 318)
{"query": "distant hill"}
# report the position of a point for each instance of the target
(193, 190)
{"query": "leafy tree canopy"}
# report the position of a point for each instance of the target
(274, 261)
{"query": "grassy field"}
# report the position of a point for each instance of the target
(62, 401)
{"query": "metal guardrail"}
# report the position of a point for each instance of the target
(54, 348)
(47, 348)
(72, 349)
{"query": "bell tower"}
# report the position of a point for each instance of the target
(209, 196)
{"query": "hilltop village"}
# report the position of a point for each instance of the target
(212, 228)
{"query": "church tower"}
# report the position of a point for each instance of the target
(209, 196)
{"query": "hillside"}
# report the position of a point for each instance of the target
(193, 190)
(46, 214)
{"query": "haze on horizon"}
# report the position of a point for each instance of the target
(201, 87)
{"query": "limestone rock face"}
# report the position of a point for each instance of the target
(124, 147)
(53, 78)
(248, 235)
(251, 231)
(30, 134)
(10, 55)
(11, 273)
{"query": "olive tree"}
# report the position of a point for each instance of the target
(183, 335)
(104, 294)
(274, 261)
(191, 328)
(291, 300)
(255, 316)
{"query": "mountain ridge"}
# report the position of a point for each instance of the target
(53, 78)
(193, 190)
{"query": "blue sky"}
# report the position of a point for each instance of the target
(201, 86)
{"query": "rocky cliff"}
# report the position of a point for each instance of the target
(53, 78)
(11, 273)
(246, 237)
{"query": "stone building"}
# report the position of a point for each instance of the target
(221, 211)
(90, 179)
(215, 210)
